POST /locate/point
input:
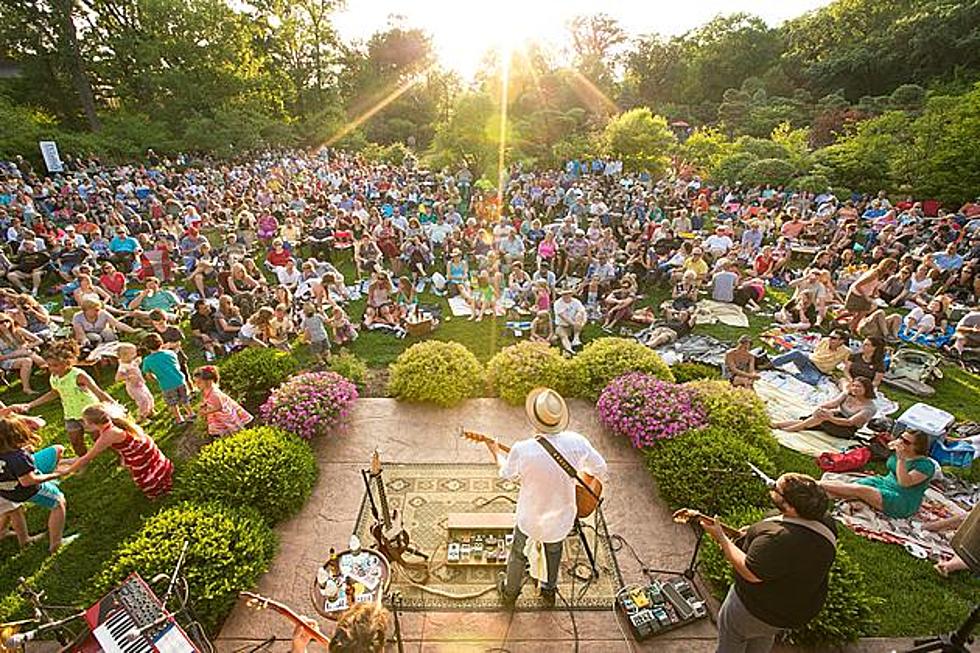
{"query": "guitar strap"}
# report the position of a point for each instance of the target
(817, 527)
(564, 464)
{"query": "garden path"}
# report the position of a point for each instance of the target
(418, 433)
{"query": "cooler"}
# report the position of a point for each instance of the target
(930, 420)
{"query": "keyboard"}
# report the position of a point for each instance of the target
(130, 619)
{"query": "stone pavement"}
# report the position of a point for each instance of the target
(415, 433)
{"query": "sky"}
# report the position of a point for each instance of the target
(462, 31)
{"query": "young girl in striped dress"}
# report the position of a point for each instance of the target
(223, 414)
(151, 470)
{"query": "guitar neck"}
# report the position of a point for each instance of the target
(383, 500)
(485, 439)
(290, 614)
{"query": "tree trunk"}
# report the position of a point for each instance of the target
(76, 68)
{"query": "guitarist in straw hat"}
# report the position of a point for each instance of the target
(546, 508)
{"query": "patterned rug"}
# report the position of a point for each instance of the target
(427, 493)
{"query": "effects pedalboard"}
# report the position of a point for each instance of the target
(660, 606)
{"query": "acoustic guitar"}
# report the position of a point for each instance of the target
(687, 515)
(259, 602)
(390, 536)
(586, 501)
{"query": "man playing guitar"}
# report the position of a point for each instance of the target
(546, 509)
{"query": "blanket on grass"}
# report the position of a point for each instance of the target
(709, 311)
(908, 533)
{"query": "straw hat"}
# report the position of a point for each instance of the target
(546, 410)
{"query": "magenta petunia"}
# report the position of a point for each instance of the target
(645, 409)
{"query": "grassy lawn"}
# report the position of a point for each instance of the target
(105, 507)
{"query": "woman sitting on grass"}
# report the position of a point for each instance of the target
(898, 494)
(151, 470)
(841, 417)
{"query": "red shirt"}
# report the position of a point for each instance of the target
(114, 282)
(279, 258)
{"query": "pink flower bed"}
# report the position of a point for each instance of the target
(645, 409)
(310, 404)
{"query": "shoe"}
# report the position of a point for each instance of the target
(548, 598)
(209, 357)
(506, 599)
(576, 343)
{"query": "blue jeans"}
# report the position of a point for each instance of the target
(808, 372)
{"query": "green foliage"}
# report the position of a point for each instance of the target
(849, 612)
(641, 140)
(706, 148)
(263, 468)
(229, 549)
(253, 372)
(737, 411)
(768, 171)
(684, 372)
(349, 366)
(680, 468)
(516, 370)
(604, 359)
(444, 373)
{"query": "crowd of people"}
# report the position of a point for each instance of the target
(129, 263)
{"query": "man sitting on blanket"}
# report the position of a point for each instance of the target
(828, 354)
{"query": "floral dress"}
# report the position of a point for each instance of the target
(230, 416)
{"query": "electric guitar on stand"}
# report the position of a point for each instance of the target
(588, 492)
(390, 536)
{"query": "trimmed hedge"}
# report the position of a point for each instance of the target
(847, 615)
(263, 468)
(229, 549)
(516, 370)
(738, 411)
(349, 366)
(252, 373)
(684, 372)
(444, 373)
(705, 470)
(604, 359)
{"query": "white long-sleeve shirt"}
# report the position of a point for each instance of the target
(546, 503)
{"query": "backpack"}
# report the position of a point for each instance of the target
(913, 370)
(847, 461)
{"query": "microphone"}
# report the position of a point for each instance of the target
(765, 478)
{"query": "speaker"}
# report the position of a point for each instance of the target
(966, 540)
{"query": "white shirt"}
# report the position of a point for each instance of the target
(566, 312)
(546, 503)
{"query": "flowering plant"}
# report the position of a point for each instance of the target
(310, 404)
(645, 409)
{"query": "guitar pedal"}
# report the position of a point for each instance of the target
(464, 551)
(452, 552)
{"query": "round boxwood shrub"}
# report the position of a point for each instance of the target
(349, 366)
(738, 411)
(516, 370)
(684, 372)
(265, 468)
(250, 374)
(229, 549)
(847, 615)
(604, 359)
(310, 404)
(444, 373)
(706, 470)
(645, 409)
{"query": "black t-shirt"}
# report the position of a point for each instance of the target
(13, 465)
(30, 261)
(862, 368)
(203, 324)
(793, 562)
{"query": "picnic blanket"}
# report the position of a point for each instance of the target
(908, 533)
(814, 395)
(461, 308)
(709, 311)
(693, 348)
(105, 350)
(783, 404)
(934, 340)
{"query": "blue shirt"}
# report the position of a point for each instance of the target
(163, 364)
(126, 244)
(947, 262)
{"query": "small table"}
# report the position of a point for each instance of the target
(367, 571)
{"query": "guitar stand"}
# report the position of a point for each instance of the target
(589, 553)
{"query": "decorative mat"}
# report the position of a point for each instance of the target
(425, 494)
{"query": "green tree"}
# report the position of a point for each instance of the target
(643, 141)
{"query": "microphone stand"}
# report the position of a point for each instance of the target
(952, 642)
